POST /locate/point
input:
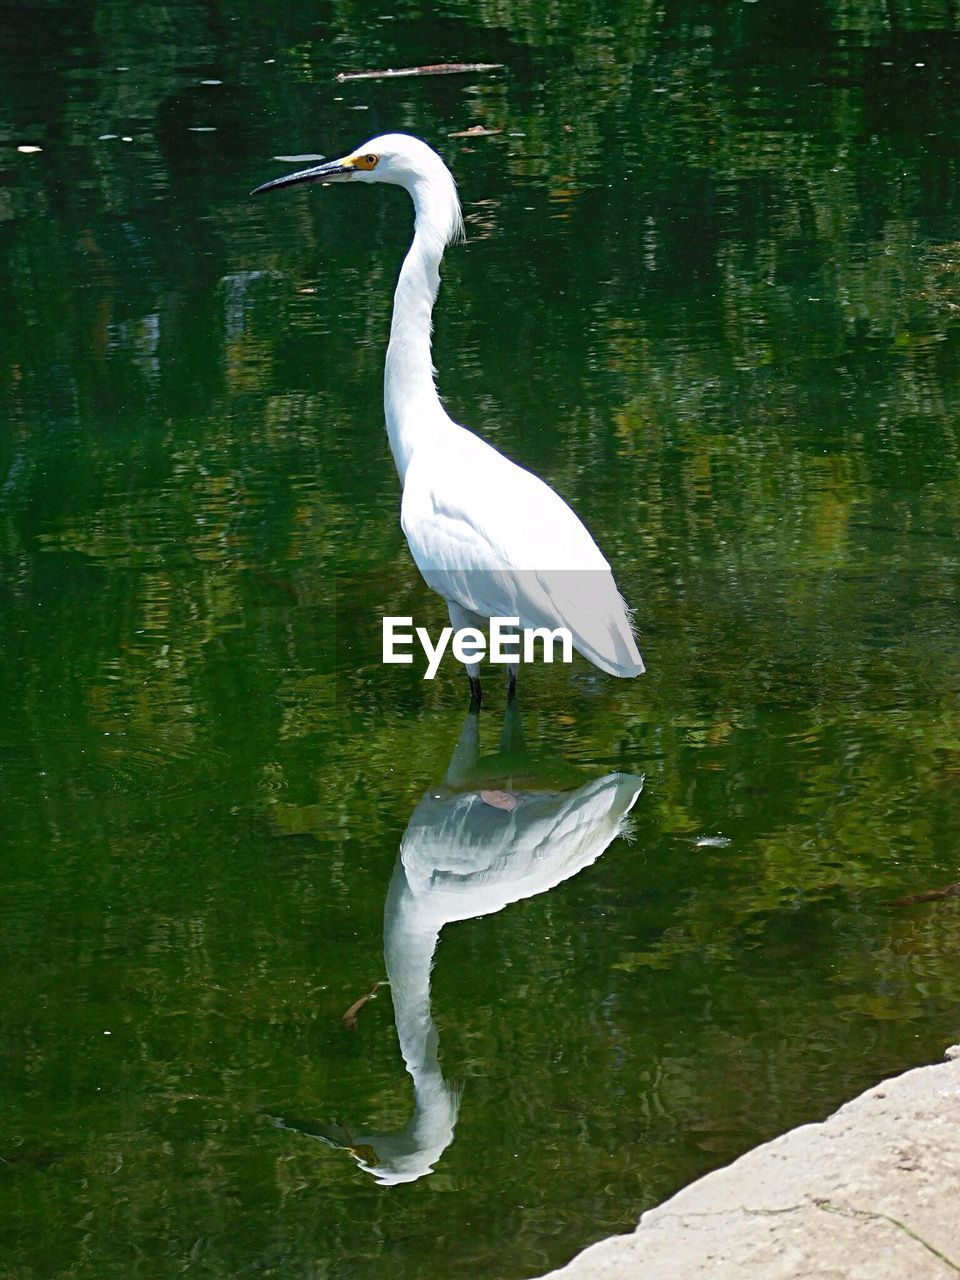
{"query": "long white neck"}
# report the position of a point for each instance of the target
(411, 405)
(409, 941)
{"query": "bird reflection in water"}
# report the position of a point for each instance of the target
(498, 829)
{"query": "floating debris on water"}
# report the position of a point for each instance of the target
(433, 69)
(28, 150)
(475, 131)
(712, 842)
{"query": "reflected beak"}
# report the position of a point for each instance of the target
(332, 171)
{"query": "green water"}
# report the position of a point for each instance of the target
(712, 294)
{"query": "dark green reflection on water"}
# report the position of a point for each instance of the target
(711, 294)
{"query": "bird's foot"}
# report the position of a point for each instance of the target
(476, 693)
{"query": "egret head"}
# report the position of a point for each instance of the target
(403, 161)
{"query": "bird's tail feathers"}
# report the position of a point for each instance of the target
(608, 638)
(626, 661)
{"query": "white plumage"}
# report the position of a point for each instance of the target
(491, 538)
(466, 854)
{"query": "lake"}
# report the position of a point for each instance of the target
(711, 293)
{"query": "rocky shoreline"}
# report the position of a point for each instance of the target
(871, 1193)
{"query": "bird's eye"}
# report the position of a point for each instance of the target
(369, 161)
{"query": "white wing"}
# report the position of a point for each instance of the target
(464, 857)
(499, 542)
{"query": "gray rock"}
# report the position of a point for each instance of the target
(872, 1193)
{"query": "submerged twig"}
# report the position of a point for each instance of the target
(929, 895)
(350, 1017)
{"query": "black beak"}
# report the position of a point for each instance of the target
(332, 171)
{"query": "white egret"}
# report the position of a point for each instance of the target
(490, 537)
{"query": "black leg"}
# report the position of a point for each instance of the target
(511, 685)
(476, 693)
